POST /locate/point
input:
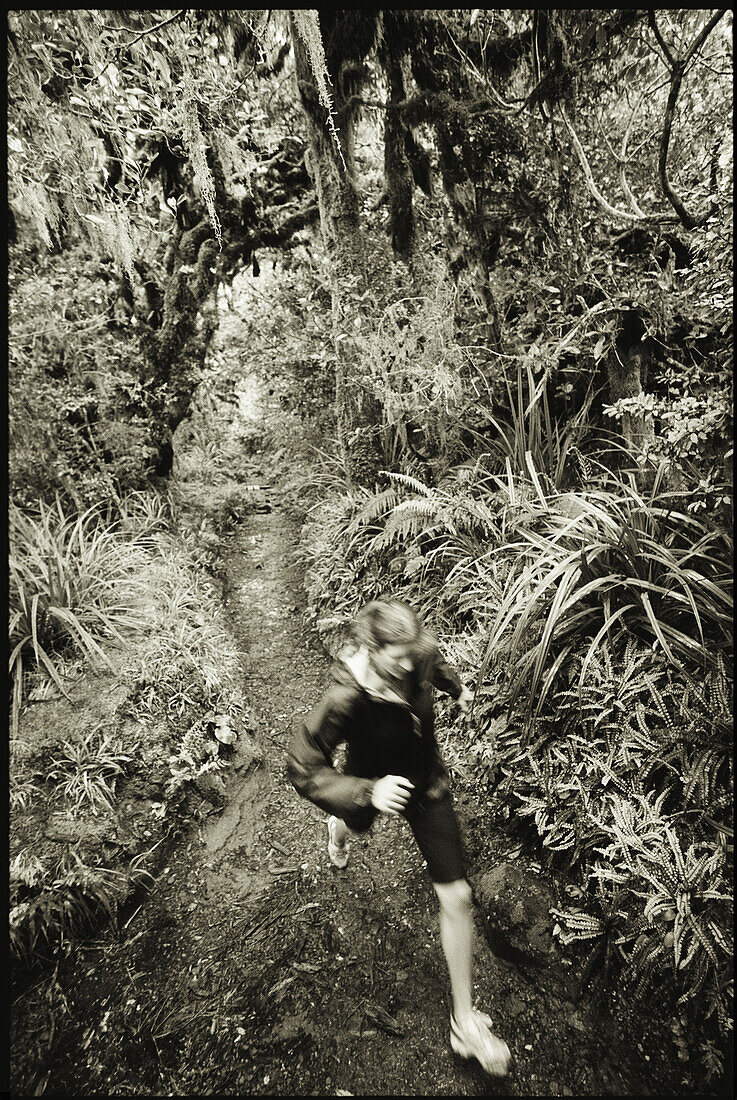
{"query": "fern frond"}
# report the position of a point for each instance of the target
(719, 937)
(414, 484)
(377, 505)
(406, 522)
(705, 940)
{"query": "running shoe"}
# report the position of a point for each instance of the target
(475, 1040)
(338, 853)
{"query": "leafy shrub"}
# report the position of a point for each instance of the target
(69, 579)
(627, 778)
(529, 441)
(237, 503)
(197, 755)
(24, 790)
(413, 369)
(140, 515)
(79, 418)
(184, 666)
(48, 906)
(361, 545)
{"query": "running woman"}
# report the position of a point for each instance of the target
(381, 705)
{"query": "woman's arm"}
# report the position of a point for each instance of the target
(310, 767)
(446, 679)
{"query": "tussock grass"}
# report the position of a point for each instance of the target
(71, 583)
(87, 771)
(185, 657)
(623, 565)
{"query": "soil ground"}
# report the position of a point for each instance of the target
(256, 967)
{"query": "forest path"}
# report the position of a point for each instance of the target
(255, 967)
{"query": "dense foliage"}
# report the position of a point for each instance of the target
(514, 333)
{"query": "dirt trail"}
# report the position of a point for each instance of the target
(256, 967)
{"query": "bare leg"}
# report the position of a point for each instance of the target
(456, 937)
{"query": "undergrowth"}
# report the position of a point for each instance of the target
(119, 594)
(594, 619)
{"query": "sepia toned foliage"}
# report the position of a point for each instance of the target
(514, 329)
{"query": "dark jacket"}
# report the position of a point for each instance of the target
(383, 738)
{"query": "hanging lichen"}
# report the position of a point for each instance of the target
(307, 23)
(239, 164)
(194, 143)
(116, 230)
(33, 202)
(114, 227)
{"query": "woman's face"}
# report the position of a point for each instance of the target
(393, 662)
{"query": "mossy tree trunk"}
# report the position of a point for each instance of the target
(393, 53)
(179, 315)
(345, 247)
(174, 353)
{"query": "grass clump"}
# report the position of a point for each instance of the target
(87, 771)
(71, 578)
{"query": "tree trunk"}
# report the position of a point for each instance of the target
(625, 365)
(175, 353)
(400, 183)
(344, 245)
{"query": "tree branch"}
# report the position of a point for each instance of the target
(149, 30)
(271, 236)
(623, 215)
(706, 31)
(660, 40)
(623, 159)
(483, 80)
(677, 70)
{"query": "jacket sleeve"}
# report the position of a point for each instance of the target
(444, 678)
(310, 767)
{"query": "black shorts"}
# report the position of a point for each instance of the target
(435, 828)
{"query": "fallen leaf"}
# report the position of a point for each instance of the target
(381, 1017)
(282, 985)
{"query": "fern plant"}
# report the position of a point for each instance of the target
(414, 370)
(48, 907)
(687, 894)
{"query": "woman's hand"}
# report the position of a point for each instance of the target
(391, 793)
